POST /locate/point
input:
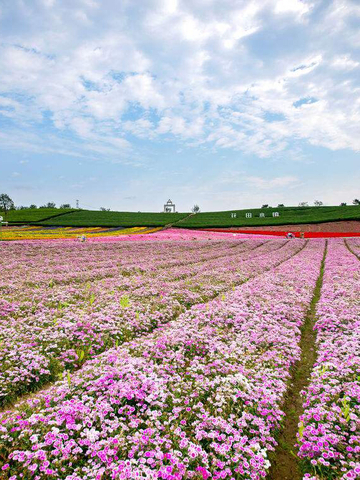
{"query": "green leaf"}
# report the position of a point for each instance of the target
(80, 355)
(124, 301)
(301, 430)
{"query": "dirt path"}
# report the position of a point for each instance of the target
(351, 250)
(284, 462)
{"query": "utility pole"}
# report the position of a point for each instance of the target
(77, 203)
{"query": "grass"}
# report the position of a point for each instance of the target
(92, 218)
(33, 214)
(287, 215)
(83, 218)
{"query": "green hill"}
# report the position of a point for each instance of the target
(84, 218)
(287, 215)
(30, 215)
(92, 218)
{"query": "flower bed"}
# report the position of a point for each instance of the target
(329, 432)
(59, 320)
(41, 233)
(199, 397)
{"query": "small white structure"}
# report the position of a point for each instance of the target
(248, 215)
(233, 215)
(276, 214)
(169, 207)
(262, 215)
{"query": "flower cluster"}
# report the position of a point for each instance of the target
(329, 430)
(198, 396)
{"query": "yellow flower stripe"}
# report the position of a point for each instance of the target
(34, 233)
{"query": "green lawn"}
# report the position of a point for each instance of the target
(33, 215)
(84, 218)
(287, 215)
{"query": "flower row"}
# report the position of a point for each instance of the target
(61, 326)
(329, 430)
(197, 398)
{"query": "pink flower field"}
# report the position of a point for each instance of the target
(171, 355)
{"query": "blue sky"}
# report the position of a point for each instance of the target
(228, 104)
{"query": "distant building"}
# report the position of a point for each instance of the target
(276, 214)
(248, 215)
(169, 207)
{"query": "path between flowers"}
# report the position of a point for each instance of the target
(284, 461)
(351, 250)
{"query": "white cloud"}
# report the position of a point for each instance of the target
(192, 69)
(292, 6)
(271, 183)
(345, 62)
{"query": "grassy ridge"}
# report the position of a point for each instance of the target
(92, 218)
(84, 218)
(33, 215)
(287, 215)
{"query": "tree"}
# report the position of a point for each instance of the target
(103, 209)
(356, 201)
(265, 206)
(318, 203)
(303, 204)
(281, 205)
(343, 204)
(33, 206)
(6, 204)
(195, 209)
(65, 205)
(50, 205)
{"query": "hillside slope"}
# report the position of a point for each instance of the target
(287, 216)
(84, 218)
(31, 215)
(93, 218)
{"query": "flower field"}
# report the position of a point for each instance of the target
(170, 355)
(60, 233)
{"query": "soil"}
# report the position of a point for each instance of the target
(343, 226)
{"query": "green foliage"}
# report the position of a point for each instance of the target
(287, 216)
(345, 409)
(30, 215)
(90, 218)
(92, 298)
(124, 301)
(301, 430)
(85, 218)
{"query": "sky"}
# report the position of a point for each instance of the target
(227, 104)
